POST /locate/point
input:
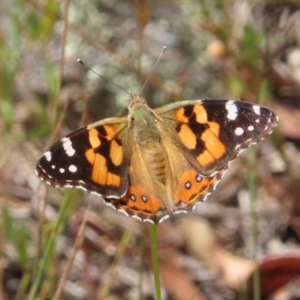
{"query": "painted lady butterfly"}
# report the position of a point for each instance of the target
(154, 163)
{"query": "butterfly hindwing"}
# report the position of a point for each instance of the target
(139, 203)
(194, 188)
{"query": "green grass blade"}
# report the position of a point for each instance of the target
(252, 190)
(155, 260)
(50, 246)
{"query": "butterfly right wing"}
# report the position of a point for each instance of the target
(212, 133)
(201, 138)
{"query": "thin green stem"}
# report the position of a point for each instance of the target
(155, 261)
(49, 247)
(23, 286)
(252, 190)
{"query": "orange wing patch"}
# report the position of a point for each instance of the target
(214, 148)
(94, 138)
(201, 114)
(116, 153)
(139, 203)
(199, 135)
(194, 188)
(100, 171)
(180, 115)
(187, 136)
(113, 179)
(96, 156)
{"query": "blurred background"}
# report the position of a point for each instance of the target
(247, 50)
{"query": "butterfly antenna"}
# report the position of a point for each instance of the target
(159, 57)
(82, 63)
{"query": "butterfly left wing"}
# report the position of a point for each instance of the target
(212, 133)
(94, 158)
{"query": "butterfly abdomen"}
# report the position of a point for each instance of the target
(158, 164)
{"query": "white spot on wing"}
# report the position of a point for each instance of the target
(84, 189)
(124, 212)
(67, 144)
(256, 109)
(134, 216)
(61, 170)
(116, 197)
(164, 218)
(250, 128)
(206, 196)
(232, 110)
(216, 184)
(48, 155)
(239, 131)
(72, 168)
(148, 220)
(110, 205)
(240, 152)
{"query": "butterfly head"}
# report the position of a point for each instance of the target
(136, 101)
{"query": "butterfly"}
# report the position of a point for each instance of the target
(154, 163)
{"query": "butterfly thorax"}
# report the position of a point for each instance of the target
(147, 138)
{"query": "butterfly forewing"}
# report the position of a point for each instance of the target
(211, 133)
(93, 158)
